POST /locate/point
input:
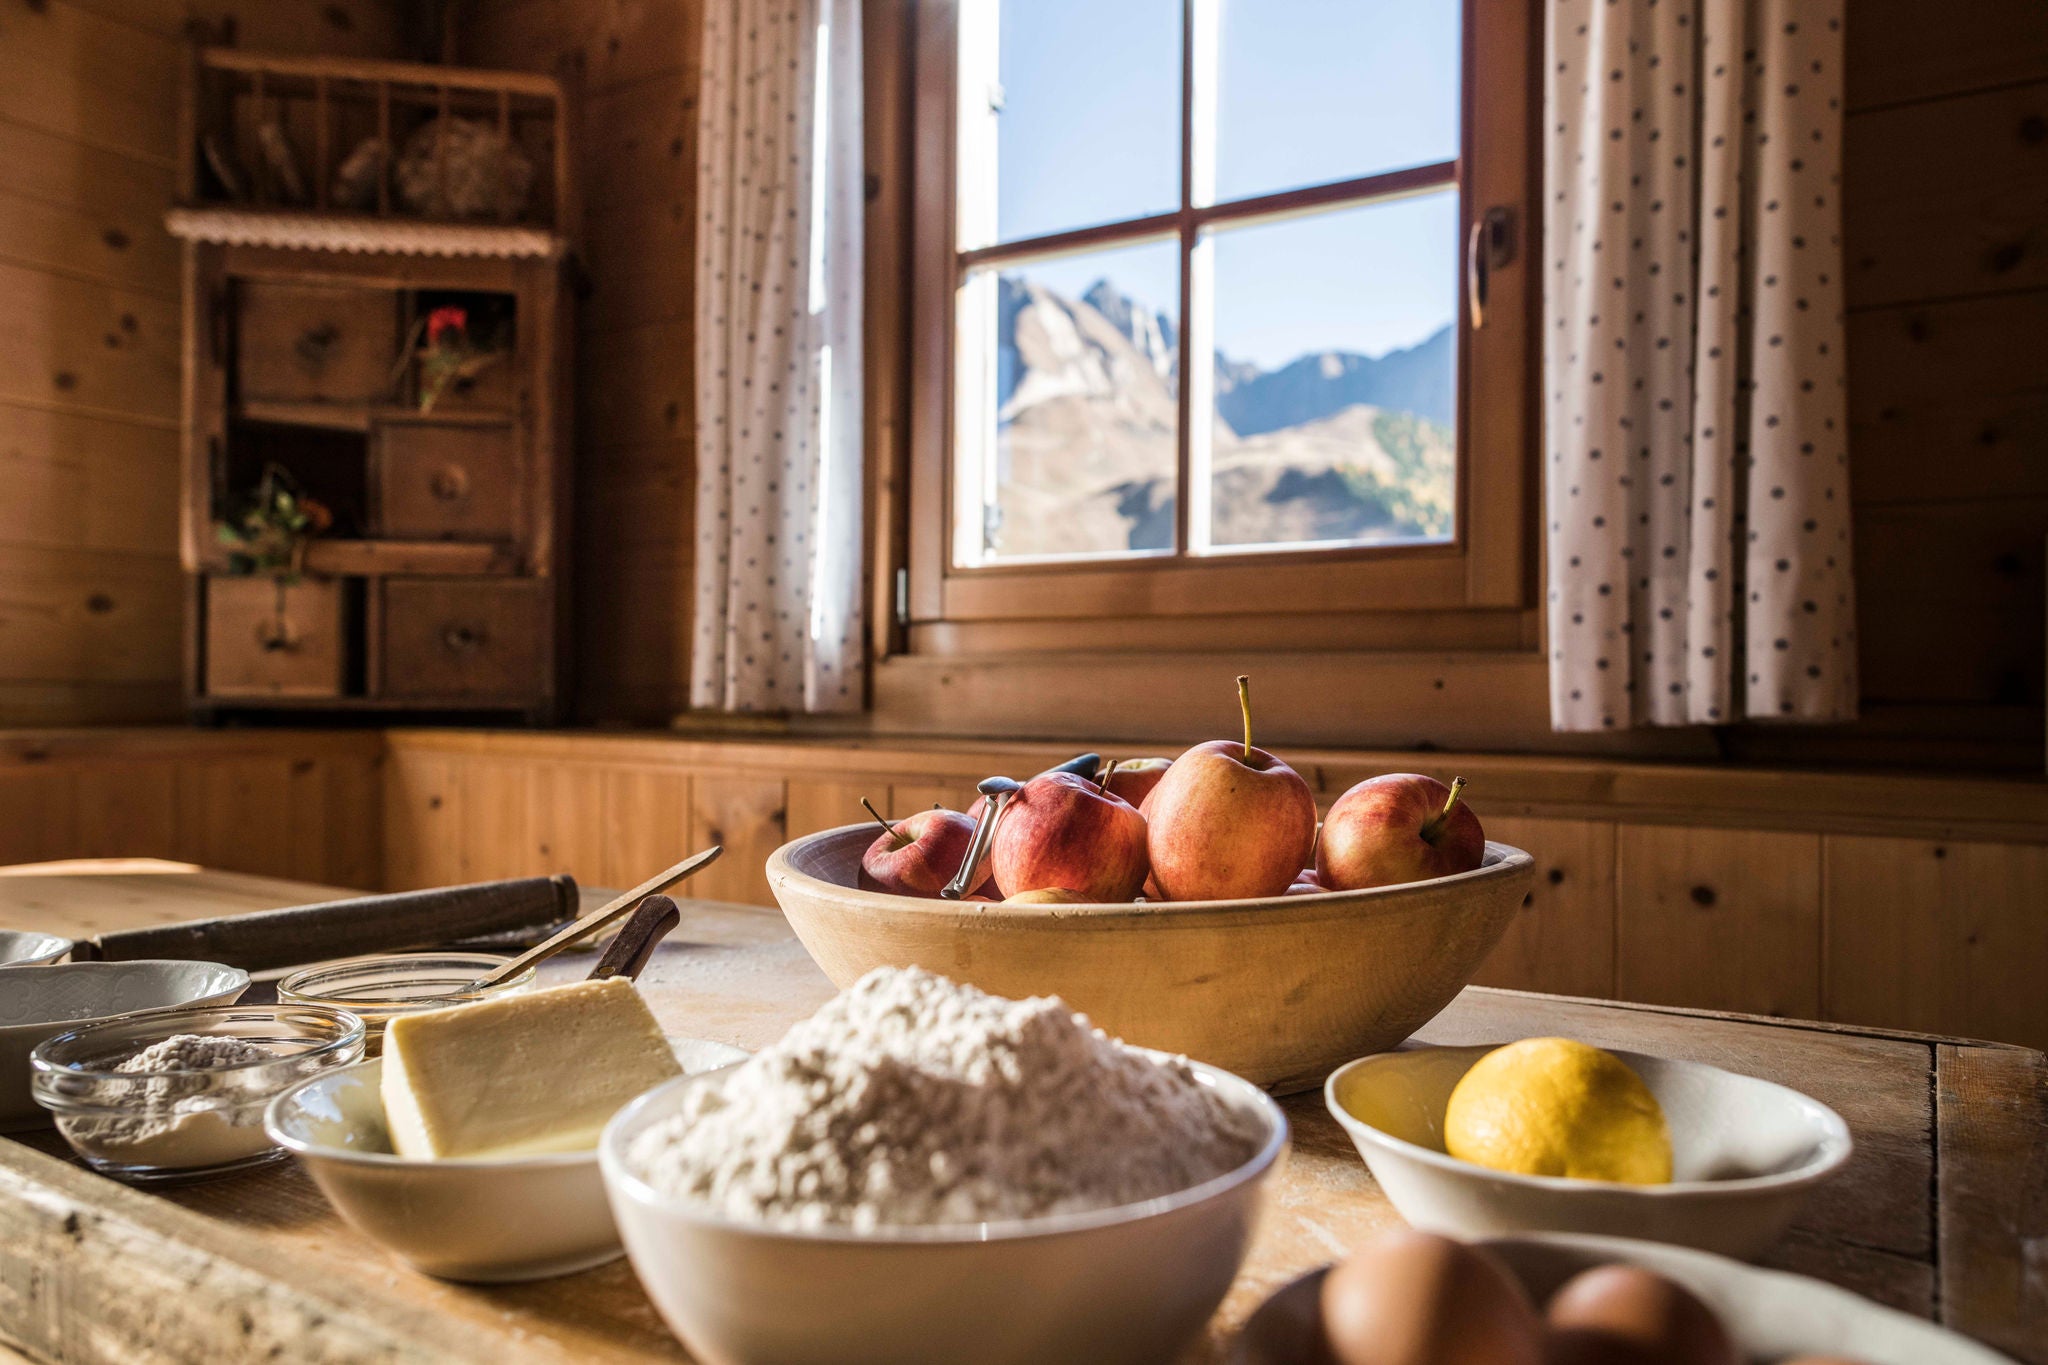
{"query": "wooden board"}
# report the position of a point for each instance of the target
(1720, 919)
(260, 1263)
(1932, 935)
(1563, 941)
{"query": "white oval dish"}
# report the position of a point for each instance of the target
(1745, 1154)
(1772, 1315)
(41, 1002)
(28, 948)
(486, 1221)
(1116, 1286)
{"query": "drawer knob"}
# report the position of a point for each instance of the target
(275, 636)
(462, 639)
(449, 482)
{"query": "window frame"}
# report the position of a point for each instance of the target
(1486, 568)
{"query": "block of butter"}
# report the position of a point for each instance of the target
(521, 1075)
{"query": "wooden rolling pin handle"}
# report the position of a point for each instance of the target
(634, 944)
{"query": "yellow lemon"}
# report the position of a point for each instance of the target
(1551, 1106)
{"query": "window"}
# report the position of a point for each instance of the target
(1218, 308)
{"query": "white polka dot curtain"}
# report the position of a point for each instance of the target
(1696, 479)
(779, 184)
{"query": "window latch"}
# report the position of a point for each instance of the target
(902, 596)
(1490, 247)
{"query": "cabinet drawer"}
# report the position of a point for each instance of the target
(267, 640)
(315, 342)
(463, 639)
(448, 482)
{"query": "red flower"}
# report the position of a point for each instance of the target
(443, 320)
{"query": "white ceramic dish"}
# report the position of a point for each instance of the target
(1118, 1286)
(27, 948)
(1745, 1155)
(1771, 1314)
(42, 1002)
(483, 1221)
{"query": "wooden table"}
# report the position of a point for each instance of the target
(1943, 1211)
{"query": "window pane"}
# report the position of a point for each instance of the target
(1088, 123)
(1068, 420)
(1336, 377)
(1310, 91)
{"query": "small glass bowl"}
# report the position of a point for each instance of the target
(183, 1125)
(380, 988)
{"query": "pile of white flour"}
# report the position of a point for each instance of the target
(912, 1100)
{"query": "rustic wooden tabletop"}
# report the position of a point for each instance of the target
(1942, 1212)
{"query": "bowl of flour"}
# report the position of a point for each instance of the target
(922, 1172)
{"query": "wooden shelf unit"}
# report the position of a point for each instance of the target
(442, 584)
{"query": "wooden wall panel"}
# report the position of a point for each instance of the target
(70, 614)
(38, 815)
(89, 338)
(1953, 378)
(1723, 919)
(1952, 600)
(647, 825)
(813, 807)
(131, 811)
(237, 815)
(1899, 50)
(744, 813)
(1947, 198)
(566, 820)
(1563, 941)
(637, 60)
(1937, 937)
(424, 822)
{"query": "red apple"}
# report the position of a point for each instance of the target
(1049, 895)
(917, 856)
(1134, 778)
(1229, 821)
(1402, 827)
(1062, 831)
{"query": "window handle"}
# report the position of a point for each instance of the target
(1489, 246)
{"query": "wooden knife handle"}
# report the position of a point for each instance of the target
(365, 924)
(635, 943)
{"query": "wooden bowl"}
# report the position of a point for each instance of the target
(1280, 991)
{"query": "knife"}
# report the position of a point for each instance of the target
(364, 924)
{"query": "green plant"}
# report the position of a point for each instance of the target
(449, 349)
(268, 533)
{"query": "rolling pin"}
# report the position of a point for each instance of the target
(267, 939)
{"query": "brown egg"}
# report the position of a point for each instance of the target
(1413, 1298)
(1621, 1315)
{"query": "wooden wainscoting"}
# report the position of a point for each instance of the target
(301, 805)
(1899, 901)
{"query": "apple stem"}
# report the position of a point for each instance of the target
(1434, 826)
(1244, 705)
(1102, 779)
(887, 828)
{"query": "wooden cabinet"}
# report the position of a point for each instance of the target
(314, 343)
(408, 375)
(461, 640)
(266, 638)
(447, 482)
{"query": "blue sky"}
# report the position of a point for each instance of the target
(1310, 91)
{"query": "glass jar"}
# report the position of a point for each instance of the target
(380, 988)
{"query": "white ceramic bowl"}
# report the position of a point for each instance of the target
(487, 1221)
(1745, 1155)
(42, 1002)
(27, 948)
(1131, 1284)
(1770, 1314)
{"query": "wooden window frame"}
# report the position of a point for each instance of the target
(1484, 577)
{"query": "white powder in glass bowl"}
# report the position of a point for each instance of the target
(911, 1100)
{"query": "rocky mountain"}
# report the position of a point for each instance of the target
(1332, 446)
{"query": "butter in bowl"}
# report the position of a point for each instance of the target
(1743, 1155)
(469, 1148)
